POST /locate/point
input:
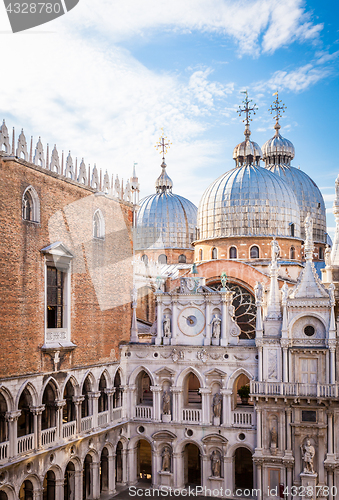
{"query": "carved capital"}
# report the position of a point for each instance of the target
(77, 400)
(11, 416)
(94, 395)
(37, 410)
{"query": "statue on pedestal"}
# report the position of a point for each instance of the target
(166, 460)
(167, 326)
(275, 250)
(217, 399)
(259, 292)
(166, 403)
(215, 464)
(307, 454)
(216, 325)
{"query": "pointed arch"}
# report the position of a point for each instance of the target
(7, 397)
(121, 373)
(182, 375)
(57, 471)
(180, 445)
(133, 376)
(32, 391)
(30, 205)
(233, 377)
(74, 382)
(10, 492)
(98, 225)
(92, 380)
(107, 376)
(51, 380)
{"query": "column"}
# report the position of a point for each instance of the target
(178, 470)
(330, 433)
(207, 339)
(159, 319)
(59, 414)
(77, 400)
(282, 427)
(206, 413)
(226, 407)
(123, 390)
(93, 400)
(228, 473)
(94, 468)
(156, 390)
(59, 489)
(330, 483)
(111, 474)
(289, 480)
(78, 483)
(37, 411)
(12, 419)
(223, 339)
(132, 465)
(332, 365)
(38, 494)
(259, 479)
(205, 470)
(110, 395)
(176, 417)
(155, 467)
(260, 374)
(288, 430)
(130, 407)
(285, 364)
(174, 320)
(124, 466)
(259, 429)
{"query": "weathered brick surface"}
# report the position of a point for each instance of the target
(101, 270)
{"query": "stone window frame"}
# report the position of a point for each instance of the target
(250, 250)
(57, 255)
(99, 229)
(236, 251)
(35, 205)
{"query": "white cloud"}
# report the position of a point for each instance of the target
(297, 80)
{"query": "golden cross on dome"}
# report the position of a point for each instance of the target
(247, 108)
(277, 106)
(164, 144)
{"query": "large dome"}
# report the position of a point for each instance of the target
(165, 220)
(308, 196)
(248, 201)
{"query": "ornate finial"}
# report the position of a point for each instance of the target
(164, 144)
(277, 107)
(223, 279)
(247, 109)
(194, 269)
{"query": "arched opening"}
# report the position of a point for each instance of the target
(233, 253)
(162, 259)
(27, 206)
(118, 463)
(3, 495)
(192, 396)
(292, 229)
(144, 461)
(243, 468)
(3, 421)
(104, 471)
(26, 491)
(98, 225)
(86, 409)
(182, 259)
(69, 482)
(103, 399)
(144, 258)
(192, 464)
(321, 253)
(254, 252)
(68, 412)
(48, 417)
(87, 478)
(292, 253)
(49, 486)
(241, 388)
(117, 397)
(144, 393)
(25, 420)
(214, 253)
(201, 254)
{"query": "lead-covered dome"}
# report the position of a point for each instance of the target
(248, 201)
(165, 220)
(278, 149)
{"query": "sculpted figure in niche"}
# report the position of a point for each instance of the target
(166, 459)
(166, 403)
(167, 326)
(284, 292)
(217, 398)
(274, 437)
(328, 251)
(216, 325)
(309, 228)
(307, 454)
(275, 250)
(215, 464)
(259, 291)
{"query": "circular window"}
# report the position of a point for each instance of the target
(226, 356)
(256, 356)
(51, 458)
(241, 436)
(309, 330)
(189, 432)
(141, 429)
(155, 354)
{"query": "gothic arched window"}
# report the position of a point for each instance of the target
(30, 205)
(98, 225)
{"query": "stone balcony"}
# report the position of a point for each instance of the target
(294, 390)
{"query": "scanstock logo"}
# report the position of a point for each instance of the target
(28, 14)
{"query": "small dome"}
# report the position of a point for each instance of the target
(247, 202)
(278, 149)
(247, 152)
(163, 182)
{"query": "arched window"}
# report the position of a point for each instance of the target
(321, 253)
(30, 205)
(162, 259)
(86, 407)
(98, 225)
(103, 399)
(233, 253)
(48, 417)
(292, 253)
(144, 258)
(182, 259)
(214, 253)
(292, 229)
(201, 254)
(254, 252)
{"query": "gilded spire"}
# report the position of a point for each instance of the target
(163, 182)
(247, 109)
(278, 107)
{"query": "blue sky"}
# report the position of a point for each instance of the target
(102, 80)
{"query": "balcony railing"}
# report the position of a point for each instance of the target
(25, 443)
(103, 418)
(191, 415)
(117, 413)
(69, 429)
(242, 418)
(294, 389)
(144, 412)
(4, 448)
(86, 423)
(48, 436)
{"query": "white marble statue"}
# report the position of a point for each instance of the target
(307, 454)
(167, 326)
(216, 325)
(259, 292)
